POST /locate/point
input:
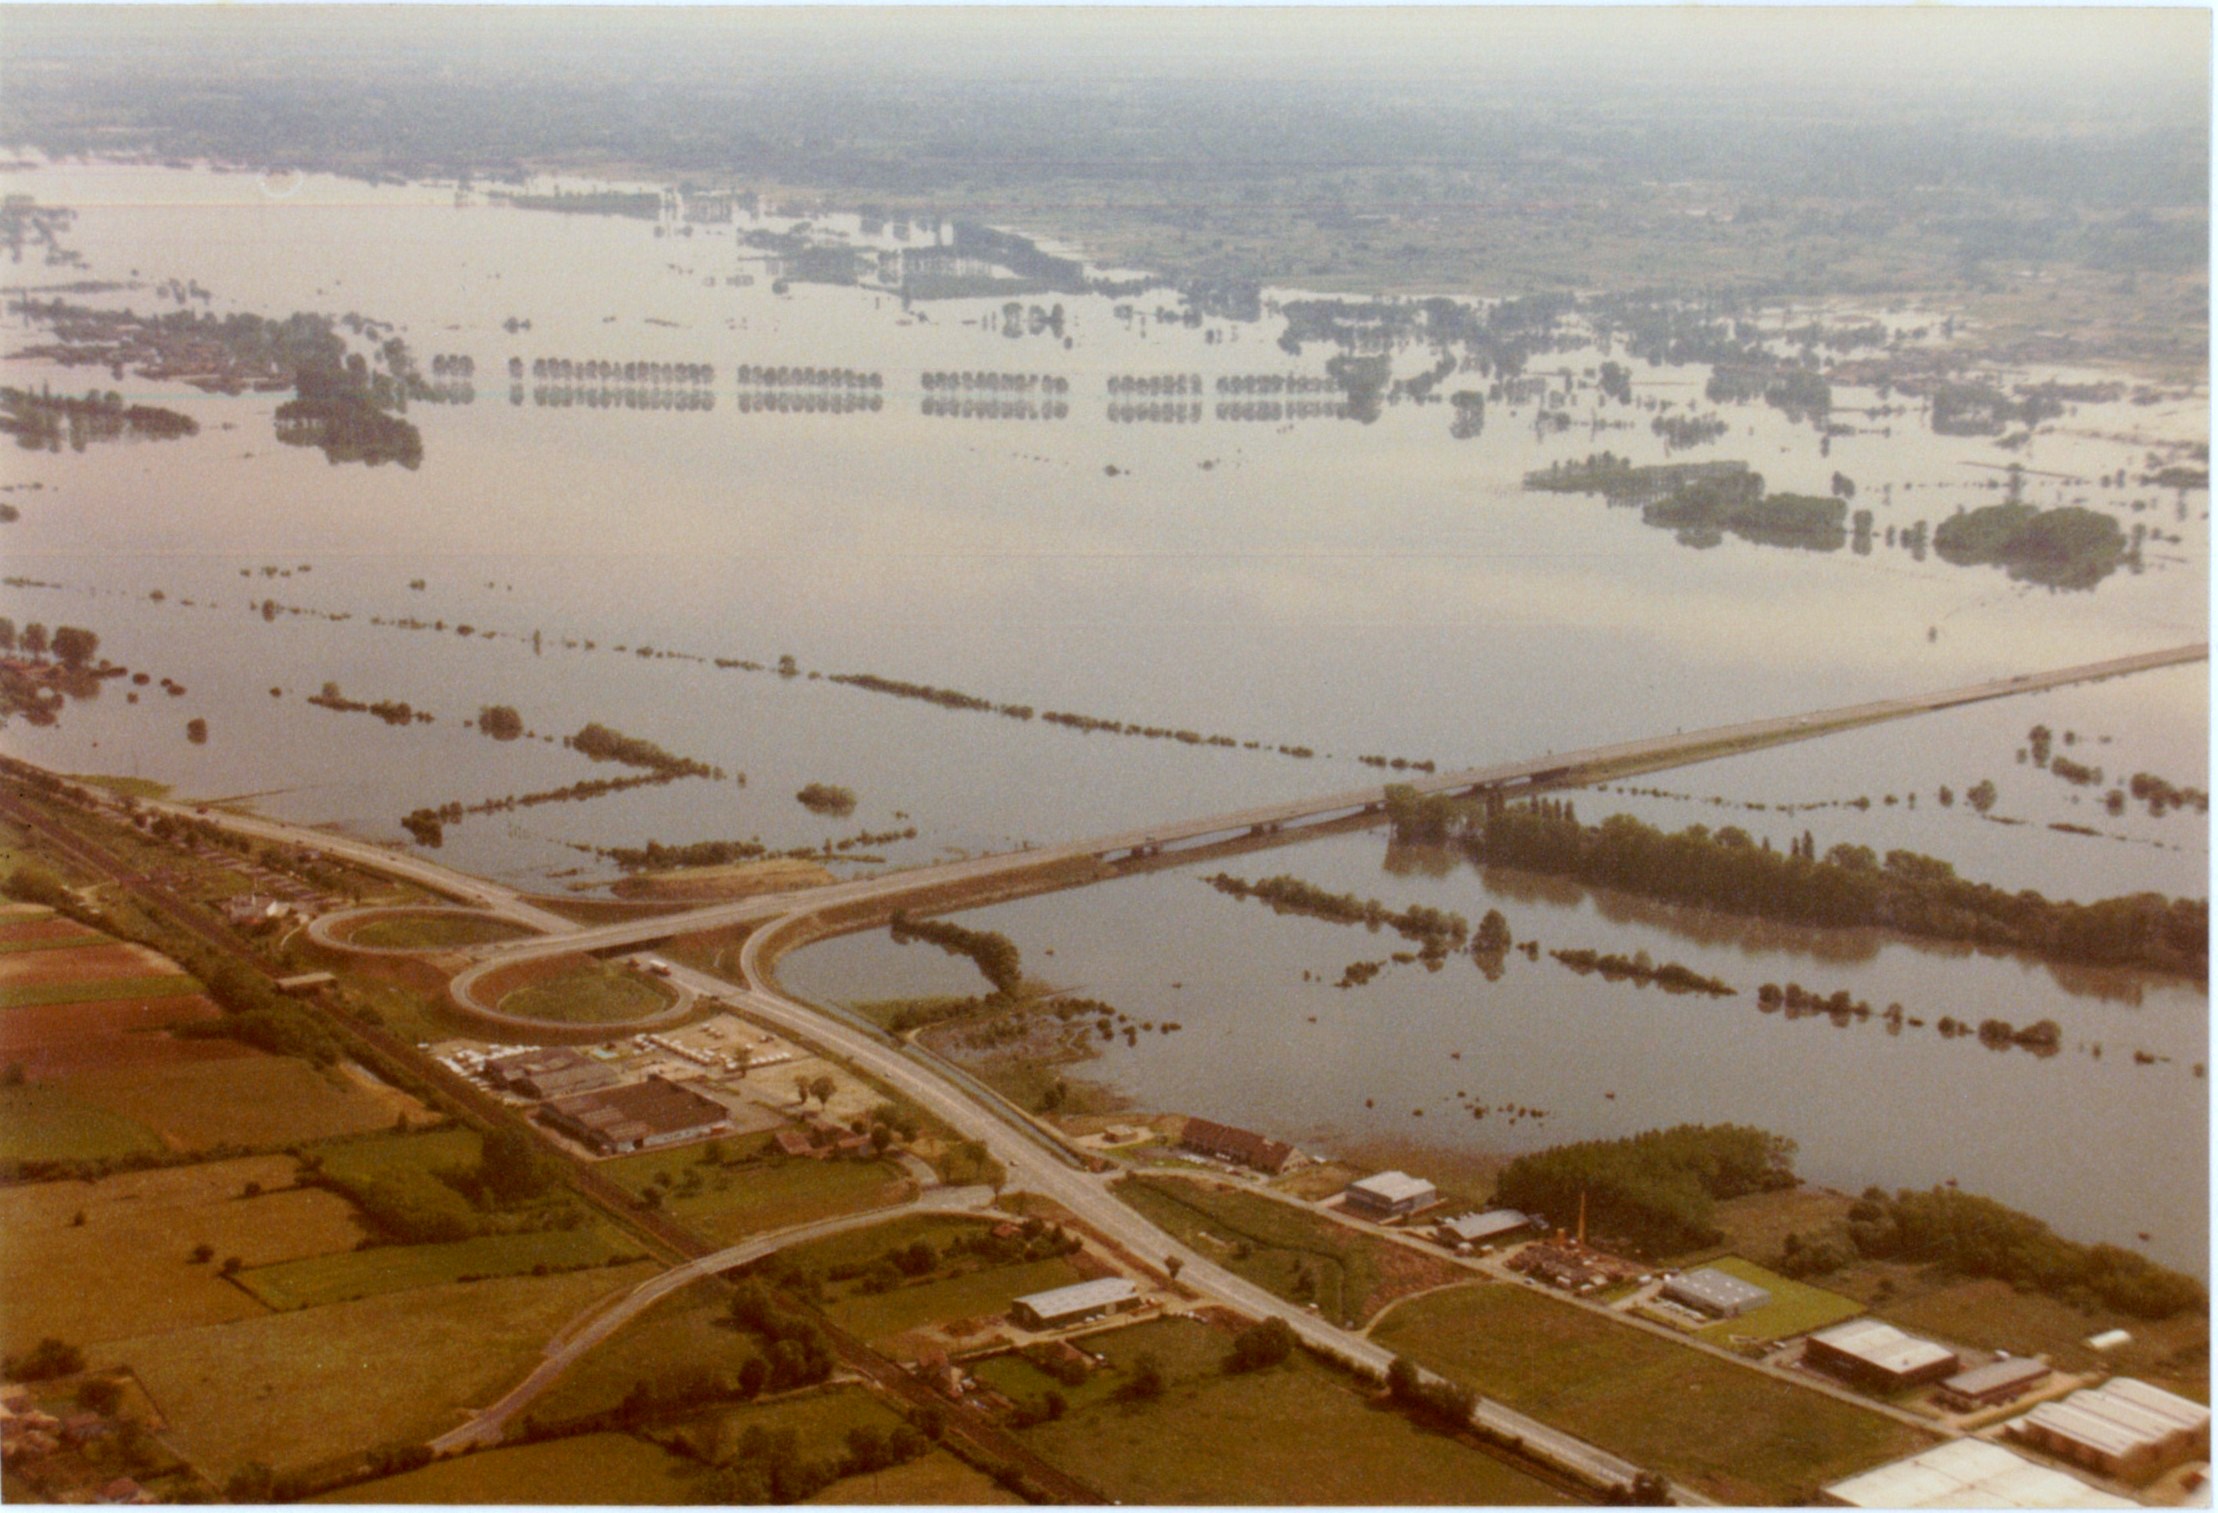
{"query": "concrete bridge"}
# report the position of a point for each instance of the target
(1290, 820)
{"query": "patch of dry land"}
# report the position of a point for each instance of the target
(778, 874)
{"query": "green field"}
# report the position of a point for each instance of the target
(935, 1480)
(603, 993)
(730, 1202)
(1298, 1433)
(253, 1101)
(1351, 1273)
(875, 1316)
(1795, 1307)
(44, 1122)
(859, 1247)
(819, 1420)
(1728, 1431)
(434, 931)
(55, 943)
(934, 1300)
(452, 1149)
(294, 1389)
(92, 990)
(137, 1238)
(613, 1469)
(396, 1268)
(688, 1332)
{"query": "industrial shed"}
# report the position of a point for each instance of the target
(1968, 1473)
(1389, 1195)
(1719, 1294)
(1074, 1304)
(1995, 1383)
(2123, 1428)
(1878, 1356)
(554, 1071)
(637, 1116)
(1484, 1229)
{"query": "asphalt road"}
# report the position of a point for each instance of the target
(605, 1318)
(1651, 754)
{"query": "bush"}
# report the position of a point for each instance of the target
(1269, 1343)
(48, 1359)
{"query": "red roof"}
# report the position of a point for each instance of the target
(1230, 1143)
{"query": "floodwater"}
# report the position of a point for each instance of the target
(1352, 589)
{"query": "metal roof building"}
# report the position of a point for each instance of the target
(1968, 1473)
(1477, 1229)
(1070, 1305)
(2122, 1428)
(1719, 1294)
(1389, 1194)
(1996, 1382)
(637, 1116)
(1878, 1355)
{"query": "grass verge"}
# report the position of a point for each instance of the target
(1728, 1431)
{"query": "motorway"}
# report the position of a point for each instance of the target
(1033, 1161)
(1555, 768)
(604, 1318)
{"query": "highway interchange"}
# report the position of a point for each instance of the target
(1033, 1160)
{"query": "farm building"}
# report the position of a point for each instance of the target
(1390, 1195)
(1995, 1383)
(1719, 1294)
(1495, 1225)
(637, 1116)
(1878, 1356)
(1224, 1142)
(554, 1071)
(1074, 1304)
(2123, 1428)
(1967, 1473)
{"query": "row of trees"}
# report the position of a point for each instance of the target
(995, 954)
(1977, 1237)
(71, 645)
(1850, 886)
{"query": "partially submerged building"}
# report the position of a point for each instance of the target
(1389, 1195)
(1878, 1356)
(1719, 1294)
(1074, 1304)
(637, 1116)
(2123, 1428)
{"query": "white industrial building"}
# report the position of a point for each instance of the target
(1074, 1304)
(1878, 1356)
(2123, 1428)
(1484, 1229)
(1968, 1473)
(1390, 1195)
(1717, 1293)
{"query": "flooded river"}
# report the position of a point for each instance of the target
(1316, 583)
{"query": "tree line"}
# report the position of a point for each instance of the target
(995, 954)
(1850, 886)
(1974, 1236)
